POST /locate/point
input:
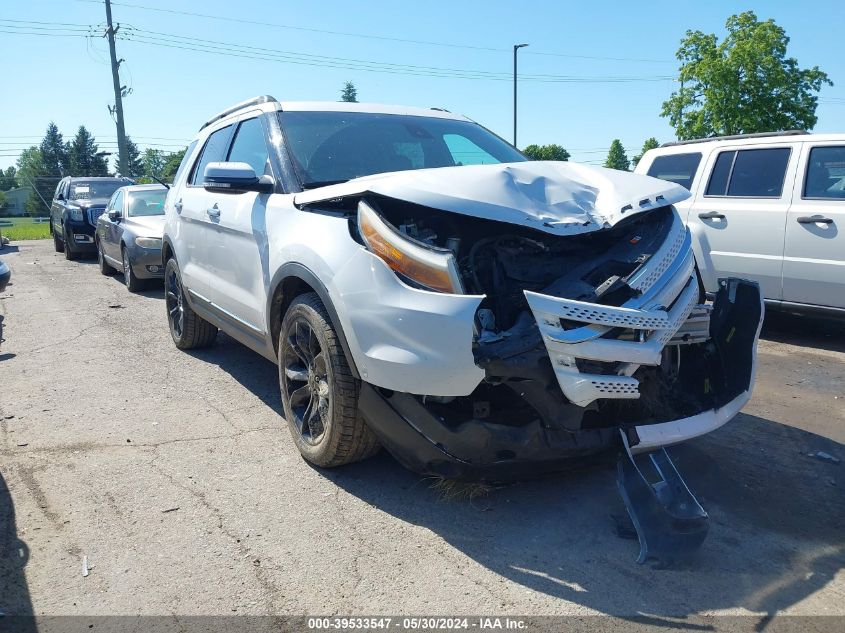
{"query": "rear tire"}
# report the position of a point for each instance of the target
(105, 267)
(319, 392)
(58, 244)
(188, 330)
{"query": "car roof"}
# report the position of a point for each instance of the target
(266, 103)
(687, 147)
(98, 178)
(372, 108)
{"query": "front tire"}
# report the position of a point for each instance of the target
(319, 392)
(69, 252)
(133, 284)
(105, 267)
(58, 244)
(188, 330)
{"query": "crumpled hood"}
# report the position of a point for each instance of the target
(561, 198)
(148, 225)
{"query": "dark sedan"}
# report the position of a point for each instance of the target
(128, 237)
(77, 204)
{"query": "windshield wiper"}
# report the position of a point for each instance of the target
(315, 184)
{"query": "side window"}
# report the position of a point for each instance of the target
(188, 153)
(465, 152)
(825, 173)
(759, 173)
(677, 168)
(250, 147)
(59, 189)
(214, 151)
(117, 201)
(718, 185)
(752, 173)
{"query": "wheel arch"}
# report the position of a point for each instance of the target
(289, 282)
(166, 251)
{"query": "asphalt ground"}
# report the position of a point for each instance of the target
(173, 475)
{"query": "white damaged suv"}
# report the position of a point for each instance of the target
(424, 287)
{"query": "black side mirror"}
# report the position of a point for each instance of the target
(114, 215)
(60, 197)
(235, 177)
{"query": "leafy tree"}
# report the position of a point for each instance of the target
(650, 143)
(743, 84)
(546, 152)
(349, 93)
(134, 165)
(54, 152)
(32, 172)
(616, 157)
(83, 155)
(8, 179)
(171, 165)
(153, 161)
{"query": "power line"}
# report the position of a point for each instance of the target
(368, 35)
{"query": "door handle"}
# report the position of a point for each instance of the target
(814, 219)
(712, 215)
(213, 212)
(178, 205)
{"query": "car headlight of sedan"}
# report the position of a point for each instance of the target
(148, 242)
(429, 267)
(75, 213)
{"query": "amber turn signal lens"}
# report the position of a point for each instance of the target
(433, 269)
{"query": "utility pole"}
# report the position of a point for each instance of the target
(122, 163)
(516, 47)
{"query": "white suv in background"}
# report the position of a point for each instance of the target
(424, 287)
(768, 207)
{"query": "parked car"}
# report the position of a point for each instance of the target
(5, 275)
(77, 203)
(769, 207)
(128, 236)
(424, 287)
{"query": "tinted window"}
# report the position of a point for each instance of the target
(826, 173)
(214, 151)
(117, 201)
(249, 146)
(146, 202)
(185, 159)
(337, 146)
(759, 173)
(677, 168)
(718, 185)
(92, 189)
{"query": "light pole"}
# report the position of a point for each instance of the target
(516, 47)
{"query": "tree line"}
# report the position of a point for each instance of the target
(42, 166)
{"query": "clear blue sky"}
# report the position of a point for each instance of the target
(67, 79)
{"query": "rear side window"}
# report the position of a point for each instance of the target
(214, 151)
(749, 173)
(677, 168)
(249, 146)
(826, 173)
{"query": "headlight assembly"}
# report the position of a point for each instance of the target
(75, 213)
(148, 242)
(432, 268)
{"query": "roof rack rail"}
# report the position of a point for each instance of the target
(239, 106)
(440, 109)
(734, 137)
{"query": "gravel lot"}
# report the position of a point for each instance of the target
(174, 475)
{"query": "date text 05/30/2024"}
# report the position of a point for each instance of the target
(416, 624)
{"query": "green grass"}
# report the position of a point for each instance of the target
(24, 229)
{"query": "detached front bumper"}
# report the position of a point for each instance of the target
(715, 386)
(146, 262)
